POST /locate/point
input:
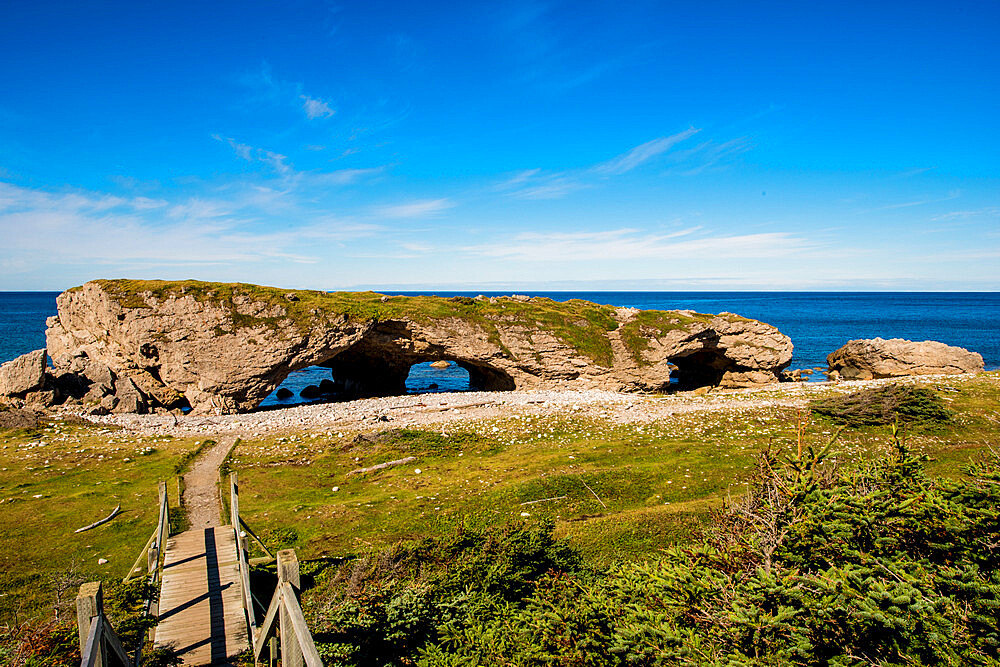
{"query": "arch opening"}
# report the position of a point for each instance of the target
(704, 368)
(312, 384)
(431, 377)
(379, 364)
(387, 361)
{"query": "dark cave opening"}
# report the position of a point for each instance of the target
(704, 368)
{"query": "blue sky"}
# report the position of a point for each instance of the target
(708, 145)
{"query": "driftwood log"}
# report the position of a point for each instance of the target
(115, 512)
(380, 466)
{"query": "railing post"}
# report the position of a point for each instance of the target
(162, 529)
(288, 572)
(89, 606)
(234, 503)
(273, 658)
(165, 506)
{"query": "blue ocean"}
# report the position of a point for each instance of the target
(817, 322)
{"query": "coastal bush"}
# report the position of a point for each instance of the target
(55, 643)
(882, 406)
(813, 566)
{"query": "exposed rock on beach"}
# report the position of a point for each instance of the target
(22, 375)
(880, 358)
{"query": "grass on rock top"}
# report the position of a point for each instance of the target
(582, 325)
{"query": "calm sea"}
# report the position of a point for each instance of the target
(817, 322)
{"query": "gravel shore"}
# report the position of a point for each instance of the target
(426, 409)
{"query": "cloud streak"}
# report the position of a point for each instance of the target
(80, 227)
(634, 244)
(538, 184)
(918, 202)
(642, 153)
(425, 208)
(276, 161)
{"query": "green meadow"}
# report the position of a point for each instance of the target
(613, 492)
(62, 476)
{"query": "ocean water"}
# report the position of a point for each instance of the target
(817, 322)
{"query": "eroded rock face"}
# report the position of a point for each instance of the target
(880, 358)
(224, 348)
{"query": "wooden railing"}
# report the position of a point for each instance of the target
(154, 547)
(99, 644)
(284, 616)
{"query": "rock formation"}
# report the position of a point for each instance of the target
(22, 375)
(880, 358)
(222, 348)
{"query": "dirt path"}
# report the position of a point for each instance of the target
(201, 495)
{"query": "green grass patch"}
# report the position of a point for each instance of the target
(645, 324)
(60, 477)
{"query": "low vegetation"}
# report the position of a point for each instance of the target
(546, 537)
(61, 475)
(812, 566)
(884, 405)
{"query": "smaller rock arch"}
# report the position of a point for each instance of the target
(380, 361)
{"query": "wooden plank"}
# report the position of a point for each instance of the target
(201, 599)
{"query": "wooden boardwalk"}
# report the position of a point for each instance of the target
(201, 599)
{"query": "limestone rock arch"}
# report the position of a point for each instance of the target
(223, 347)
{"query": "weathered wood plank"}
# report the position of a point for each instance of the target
(201, 599)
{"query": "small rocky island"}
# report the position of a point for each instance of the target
(141, 346)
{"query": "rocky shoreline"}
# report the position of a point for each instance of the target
(434, 410)
(211, 349)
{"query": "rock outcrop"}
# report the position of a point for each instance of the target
(880, 358)
(22, 375)
(222, 348)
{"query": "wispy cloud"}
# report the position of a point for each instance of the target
(642, 153)
(916, 202)
(707, 155)
(276, 161)
(292, 178)
(633, 244)
(266, 88)
(916, 171)
(84, 227)
(316, 108)
(341, 176)
(985, 212)
(536, 184)
(424, 208)
(539, 184)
